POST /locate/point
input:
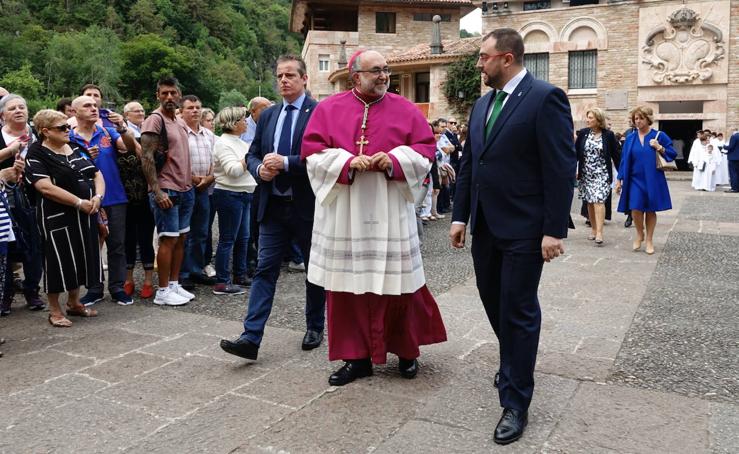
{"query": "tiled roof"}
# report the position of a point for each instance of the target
(430, 2)
(452, 48)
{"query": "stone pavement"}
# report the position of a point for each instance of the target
(638, 354)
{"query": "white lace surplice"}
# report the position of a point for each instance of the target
(365, 236)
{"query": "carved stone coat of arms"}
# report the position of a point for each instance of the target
(684, 49)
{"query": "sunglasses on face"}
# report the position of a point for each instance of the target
(61, 128)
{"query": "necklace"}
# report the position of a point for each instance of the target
(60, 152)
(363, 140)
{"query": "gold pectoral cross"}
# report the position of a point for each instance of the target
(363, 139)
(362, 142)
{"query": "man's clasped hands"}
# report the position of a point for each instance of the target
(379, 161)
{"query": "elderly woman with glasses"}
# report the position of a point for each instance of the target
(71, 189)
(17, 135)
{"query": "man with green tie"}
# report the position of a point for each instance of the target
(514, 187)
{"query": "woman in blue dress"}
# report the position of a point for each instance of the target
(643, 187)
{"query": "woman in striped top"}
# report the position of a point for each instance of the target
(71, 190)
(7, 176)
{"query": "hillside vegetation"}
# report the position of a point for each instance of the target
(222, 51)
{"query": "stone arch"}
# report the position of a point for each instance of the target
(538, 36)
(585, 33)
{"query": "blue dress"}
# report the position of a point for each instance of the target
(644, 188)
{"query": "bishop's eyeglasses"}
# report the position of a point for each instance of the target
(377, 71)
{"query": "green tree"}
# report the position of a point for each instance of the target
(462, 86)
(232, 98)
(144, 60)
(211, 46)
(463, 33)
(76, 58)
(22, 82)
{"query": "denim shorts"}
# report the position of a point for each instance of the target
(174, 221)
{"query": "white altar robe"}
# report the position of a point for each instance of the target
(365, 236)
(704, 166)
(722, 168)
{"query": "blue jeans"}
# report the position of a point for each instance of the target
(194, 260)
(174, 221)
(295, 255)
(279, 227)
(209, 240)
(233, 232)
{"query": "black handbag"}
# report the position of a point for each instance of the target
(22, 217)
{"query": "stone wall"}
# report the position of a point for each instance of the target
(321, 42)
(616, 36)
(408, 32)
(732, 91)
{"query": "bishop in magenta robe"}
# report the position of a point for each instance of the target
(367, 153)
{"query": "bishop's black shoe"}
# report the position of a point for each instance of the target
(408, 367)
(511, 426)
(350, 371)
(240, 347)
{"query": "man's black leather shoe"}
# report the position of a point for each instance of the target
(730, 190)
(240, 347)
(628, 222)
(408, 368)
(511, 426)
(202, 279)
(496, 381)
(350, 371)
(312, 339)
(187, 284)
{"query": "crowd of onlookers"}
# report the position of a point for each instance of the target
(437, 201)
(86, 189)
(82, 181)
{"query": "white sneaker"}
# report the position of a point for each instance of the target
(209, 270)
(184, 293)
(296, 267)
(169, 298)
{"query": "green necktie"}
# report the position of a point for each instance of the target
(497, 107)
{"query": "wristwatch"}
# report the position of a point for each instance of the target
(99, 196)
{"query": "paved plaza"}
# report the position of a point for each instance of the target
(638, 354)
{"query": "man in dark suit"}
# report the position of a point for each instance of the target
(732, 154)
(515, 187)
(285, 210)
(451, 133)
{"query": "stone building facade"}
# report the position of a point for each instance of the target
(334, 29)
(679, 58)
(419, 75)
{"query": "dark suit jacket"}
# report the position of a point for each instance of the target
(732, 150)
(264, 143)
(454, 156)
(610, 153)
(522, 176)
